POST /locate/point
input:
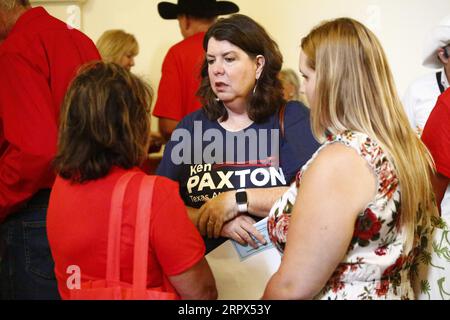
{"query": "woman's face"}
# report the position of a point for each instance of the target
(288, 89)
(127, 61)
(308, 86)
(232, 72)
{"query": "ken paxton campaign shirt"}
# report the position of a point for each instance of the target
(206, 159)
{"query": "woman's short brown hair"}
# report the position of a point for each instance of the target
(252, 38)
(104, 123)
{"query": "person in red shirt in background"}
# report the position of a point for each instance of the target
(39, 57)
(104, 135)
(436, 137)
(180, 79)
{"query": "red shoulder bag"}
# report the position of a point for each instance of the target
(112, 288)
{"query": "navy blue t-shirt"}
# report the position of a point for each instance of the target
(206, 159)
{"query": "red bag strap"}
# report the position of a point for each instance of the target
(142, 232)
(115, 228)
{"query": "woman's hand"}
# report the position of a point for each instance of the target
(215, 213)
(243, 231)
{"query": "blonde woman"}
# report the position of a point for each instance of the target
(291, 84)
(119, 47)
(354, 213)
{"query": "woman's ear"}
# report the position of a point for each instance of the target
(260, 63)
(188, 22)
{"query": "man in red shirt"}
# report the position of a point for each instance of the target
(181, 67)
(39, 56)
(436, 137)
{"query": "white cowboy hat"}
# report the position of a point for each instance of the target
(438, 38)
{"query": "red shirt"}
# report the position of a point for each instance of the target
(77, 227)
(180, 79)
(436, 134)
(38, 60)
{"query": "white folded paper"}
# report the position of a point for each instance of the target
(242, 273)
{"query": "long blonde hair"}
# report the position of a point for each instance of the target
(114, 44)
(355, 90)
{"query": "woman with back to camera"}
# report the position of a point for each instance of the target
(227, 185)
(104, 135)
(353, 223)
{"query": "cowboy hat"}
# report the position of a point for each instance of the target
(196, 8)
(439, 38)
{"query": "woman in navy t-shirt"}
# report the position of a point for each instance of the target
(236, 156)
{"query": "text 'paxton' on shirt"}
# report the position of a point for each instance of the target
(207, 178)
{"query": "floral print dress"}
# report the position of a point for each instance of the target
(376, 266)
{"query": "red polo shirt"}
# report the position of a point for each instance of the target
(180, 79)
(39, 58)
(436, 134)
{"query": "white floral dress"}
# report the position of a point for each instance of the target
(376, 266)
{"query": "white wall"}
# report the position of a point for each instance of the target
(67, 10)
(401, 25)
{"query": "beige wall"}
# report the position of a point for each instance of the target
(401, 25)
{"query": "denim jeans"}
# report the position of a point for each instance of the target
(26, 263)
